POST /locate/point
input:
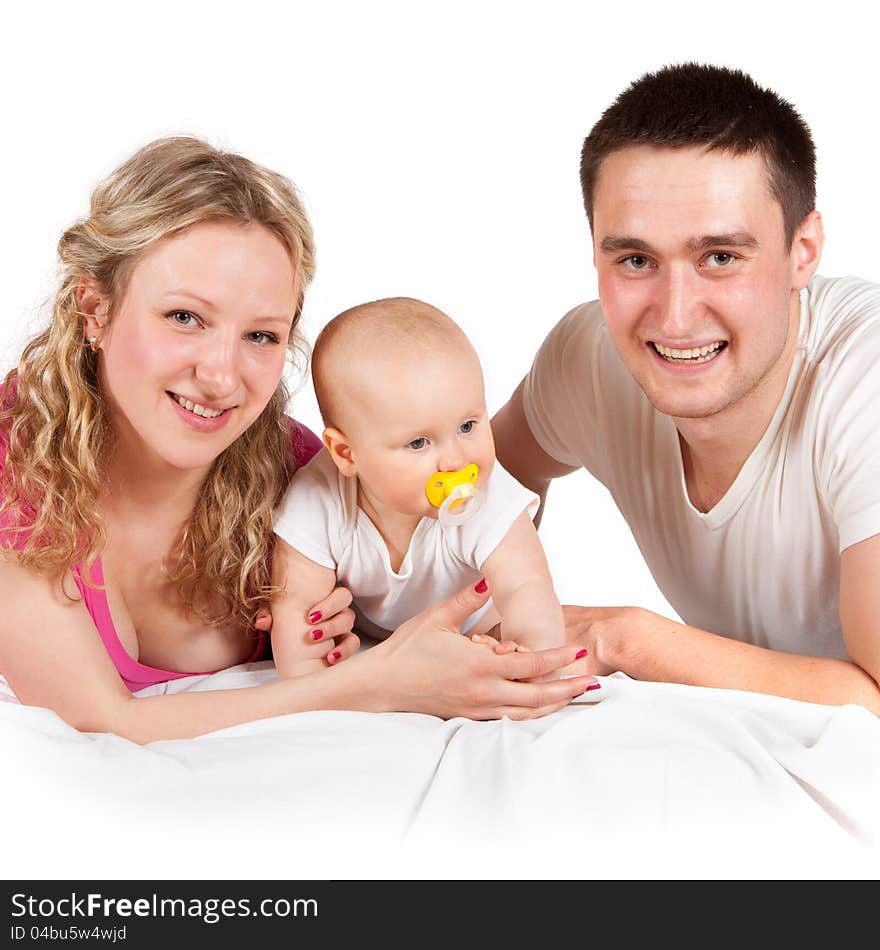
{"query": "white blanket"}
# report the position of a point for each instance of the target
(649, 780)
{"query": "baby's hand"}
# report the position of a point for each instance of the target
(512, 646)
(499, 646)
(578, 668)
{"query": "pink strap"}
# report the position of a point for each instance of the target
(134, 674)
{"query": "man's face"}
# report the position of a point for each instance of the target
(695, 278)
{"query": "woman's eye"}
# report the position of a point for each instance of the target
(418, 443)
(261, 338)
(183, 318)
(466, 427)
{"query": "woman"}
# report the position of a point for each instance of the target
(144, 447)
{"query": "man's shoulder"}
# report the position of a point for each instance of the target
(584, 315)
(842, 312)
(580, 331)
(840, 388)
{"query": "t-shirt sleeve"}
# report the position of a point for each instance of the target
(310, 515)
(848, 446)
(569, 387)
(504, 500)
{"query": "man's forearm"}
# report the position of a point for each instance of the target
(647, 646)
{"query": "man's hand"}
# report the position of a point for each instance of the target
(614, 636)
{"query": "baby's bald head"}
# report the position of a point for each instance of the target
(369, 347)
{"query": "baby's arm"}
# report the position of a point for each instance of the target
(304, 583)
(522, 589)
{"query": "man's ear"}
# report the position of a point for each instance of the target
(806, 249)
(94, 307)
(339, 447)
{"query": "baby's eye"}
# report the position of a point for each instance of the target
(183, 318)
(466, 427)
(417, 444)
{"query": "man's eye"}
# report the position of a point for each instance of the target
(466, 427)
(637, 262)
(720, 259)
(418, 443)
(261, 338)
(183, 318)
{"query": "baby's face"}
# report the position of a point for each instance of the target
(427, 415)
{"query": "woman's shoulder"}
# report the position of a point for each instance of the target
(304, 444)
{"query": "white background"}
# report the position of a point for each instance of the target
(437, 149)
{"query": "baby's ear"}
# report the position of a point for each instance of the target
(340, 450)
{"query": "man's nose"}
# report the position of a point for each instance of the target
(217, 369)
(678, 304)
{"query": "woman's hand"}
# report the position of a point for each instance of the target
(332, 621)
(428, 666)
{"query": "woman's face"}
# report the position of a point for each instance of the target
(196, 346)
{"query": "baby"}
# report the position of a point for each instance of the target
(400, 391)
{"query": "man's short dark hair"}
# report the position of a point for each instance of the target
(692, 105)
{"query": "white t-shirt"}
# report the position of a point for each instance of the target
(320, 518)
(763, 566)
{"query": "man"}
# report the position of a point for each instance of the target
(726, 397)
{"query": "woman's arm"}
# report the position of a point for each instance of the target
(58, 661)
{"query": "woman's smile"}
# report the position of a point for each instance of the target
(197, 416)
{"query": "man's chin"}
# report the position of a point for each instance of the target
(689, 406)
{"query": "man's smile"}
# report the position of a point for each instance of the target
(694, 354)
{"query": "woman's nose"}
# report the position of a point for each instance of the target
(217, 368)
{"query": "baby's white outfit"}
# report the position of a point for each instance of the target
(320, 518)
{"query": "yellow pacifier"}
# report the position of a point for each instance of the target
(455, 494)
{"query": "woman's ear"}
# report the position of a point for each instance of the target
(339, 447)
(94, 306)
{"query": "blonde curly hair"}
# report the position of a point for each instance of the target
(53, 417)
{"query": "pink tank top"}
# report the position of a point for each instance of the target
(303, 444)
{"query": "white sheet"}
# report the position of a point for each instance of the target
(650, 780)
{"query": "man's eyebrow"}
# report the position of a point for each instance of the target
(613, 244)
(729, 239)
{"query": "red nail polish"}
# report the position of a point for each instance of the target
(336, 655)
(482, 587)
(315, 616)
(592, 686)
(580, 654)
(317, 634)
